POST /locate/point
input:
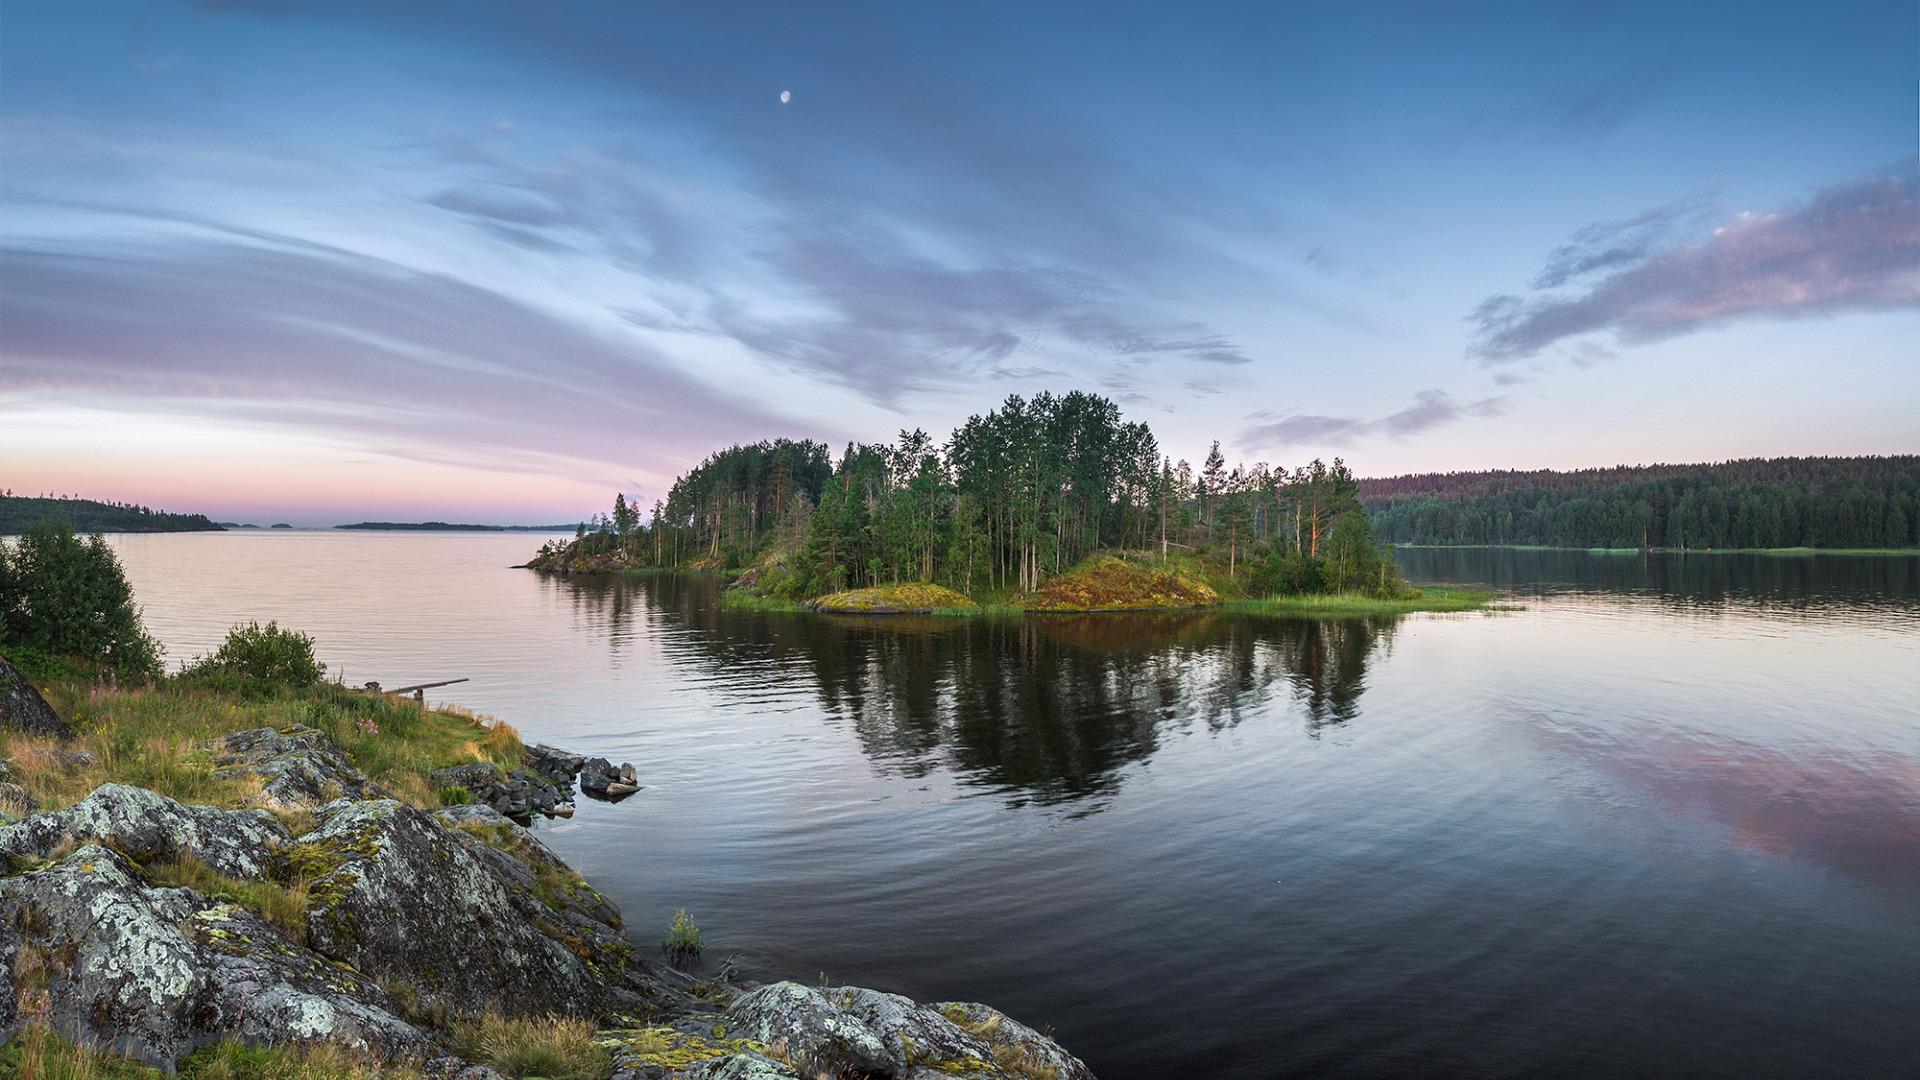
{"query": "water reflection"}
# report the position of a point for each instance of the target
(1689, 578)
(1048, 710)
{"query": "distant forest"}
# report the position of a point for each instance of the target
(1862, 502)
(18, 513)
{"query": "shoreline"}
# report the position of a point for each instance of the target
(249, 843)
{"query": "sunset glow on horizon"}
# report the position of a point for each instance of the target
(342, 262)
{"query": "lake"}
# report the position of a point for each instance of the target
(1664, 820)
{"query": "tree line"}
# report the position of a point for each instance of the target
(18, 513)
(1863, 502)
(1011, 497)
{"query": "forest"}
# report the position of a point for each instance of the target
(18, 513)
(1860, 502)
(1026, 491)
(1012, 497)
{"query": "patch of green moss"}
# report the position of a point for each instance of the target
(909, 598)
(1105, 583)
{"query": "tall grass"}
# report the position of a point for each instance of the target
(149, 737)
(552, 1047)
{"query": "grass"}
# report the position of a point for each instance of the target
(1359, 605)
(743, 600)
(148, 736)
(38, 1054)
(552, 1047)
(285, 906)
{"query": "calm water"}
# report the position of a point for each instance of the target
(1664, 821)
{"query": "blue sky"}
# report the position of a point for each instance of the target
(326, 261)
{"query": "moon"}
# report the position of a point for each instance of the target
(786, 96)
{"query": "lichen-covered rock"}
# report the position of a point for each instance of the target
(848, 1030)
(301, 766)
(153, 973)
(470, 814)
(1017, 1048)
(23, 709)
(153, 828)
(396, 894)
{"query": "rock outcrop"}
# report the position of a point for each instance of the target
(387, 923)
(23, 709)
(153, 973)
(152, 828)
(397, 895)
(302, 768)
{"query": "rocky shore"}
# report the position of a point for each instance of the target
(333, 913)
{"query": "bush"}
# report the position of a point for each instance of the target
(1284, 574)
(65, 596)
(683, 938)
(264, 654)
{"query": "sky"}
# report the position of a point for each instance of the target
(328, 262)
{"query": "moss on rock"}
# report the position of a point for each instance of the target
(910, 598)
(1108, 584)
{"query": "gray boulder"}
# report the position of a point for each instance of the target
(519, 794)
(469, 814)
(848, 1030)
(153, 973)
(557, 765)
(23, 709)
(153, 828)
(602, 779)
(302, 767)
(397, 895)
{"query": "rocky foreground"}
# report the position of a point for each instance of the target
(347, 917)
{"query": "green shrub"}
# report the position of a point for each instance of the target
(263, 654)
(67, 596)
(683, 938)
(455, 796)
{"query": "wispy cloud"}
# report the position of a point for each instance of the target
(298, 334)
(1430, 409)
(1854, 246)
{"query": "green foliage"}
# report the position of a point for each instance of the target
(63, 595)
(1351, 557)
(18, 513)
(1284, 572)
(682, 940)
(262, 654)
(455, 796)
(1864, 502)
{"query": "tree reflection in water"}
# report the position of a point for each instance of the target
(1045, 709)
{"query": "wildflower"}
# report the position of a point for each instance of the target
(367, 725)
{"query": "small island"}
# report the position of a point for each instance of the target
(1048, 506)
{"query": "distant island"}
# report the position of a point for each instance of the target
(18, 513)
(442, 526)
